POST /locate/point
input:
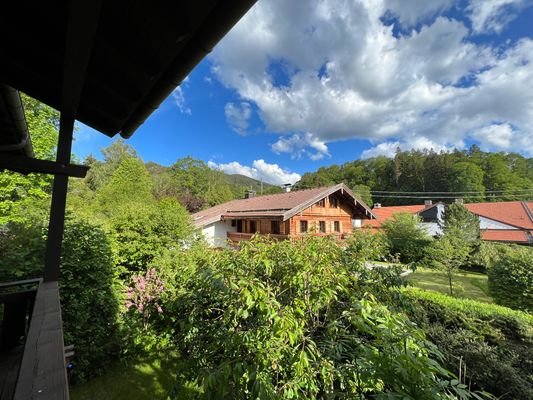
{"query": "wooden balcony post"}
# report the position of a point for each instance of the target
(59, 199)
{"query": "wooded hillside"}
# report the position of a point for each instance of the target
(192, 182)
(478, 175)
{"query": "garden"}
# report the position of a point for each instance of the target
(154, 313)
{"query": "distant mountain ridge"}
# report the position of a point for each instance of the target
(245, 182)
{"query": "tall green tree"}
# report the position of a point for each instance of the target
(447, 254)
(460, 237)
(460, 222)
(406, 237)
(467, 177)
(25, 197)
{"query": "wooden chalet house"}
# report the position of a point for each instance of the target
(321, 211)
(108, 64)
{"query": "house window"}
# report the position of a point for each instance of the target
(233, 222)
(321, 203)
(274, 227)
(336, 226)
(322, 226)
(253, 226)
(333, 202)
(303, 226)
(239, 225)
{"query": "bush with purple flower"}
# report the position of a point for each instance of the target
(144, 294)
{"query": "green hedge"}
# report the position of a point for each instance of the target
(493, 343)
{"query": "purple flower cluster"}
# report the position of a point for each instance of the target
(144, 294)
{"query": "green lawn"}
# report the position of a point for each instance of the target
(151, 378)
(467, 285)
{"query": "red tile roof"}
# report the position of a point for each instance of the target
(515, 213)
(506, 235)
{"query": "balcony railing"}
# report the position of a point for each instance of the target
(236, 237)
(239, 236)
(32, 354)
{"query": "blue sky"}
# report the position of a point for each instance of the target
(303, 84)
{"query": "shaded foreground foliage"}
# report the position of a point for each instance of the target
(302, 320)
(89, 289)
(490, 346)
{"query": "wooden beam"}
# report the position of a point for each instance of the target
(26, 165)
(82, 25)
(59, 200)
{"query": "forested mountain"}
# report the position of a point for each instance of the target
(242, 182)
(479, 175)
(192, 182)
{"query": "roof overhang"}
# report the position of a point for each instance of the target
(138, 52)
(14, 137)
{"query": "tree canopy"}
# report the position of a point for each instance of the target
(482, 176)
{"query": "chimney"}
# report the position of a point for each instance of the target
(377, 205)
(428, 203)
(249, 194)
(459, 201)
(287, 187)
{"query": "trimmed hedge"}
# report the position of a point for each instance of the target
(493, 343)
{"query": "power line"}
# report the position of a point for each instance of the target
(450, 197)
(518, 191)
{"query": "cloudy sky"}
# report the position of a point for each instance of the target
(301, 84)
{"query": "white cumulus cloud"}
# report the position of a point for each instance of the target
(238, 116)
(260, 170)
(349, 75)
(389, 148)
(297, 146)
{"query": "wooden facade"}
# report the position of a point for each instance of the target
(328, 216)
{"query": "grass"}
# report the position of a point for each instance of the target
(466, 285)
(149, 378)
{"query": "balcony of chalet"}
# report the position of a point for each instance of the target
(236, 237)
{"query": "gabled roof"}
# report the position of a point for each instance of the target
(280, 205)
(515, 213)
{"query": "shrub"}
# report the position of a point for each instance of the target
(490, 346)
(511, 279)
(282, 320)
(363, 244)
(22, 248)
(406, 237)
(142, 232)
(88, 287)
(89, 296)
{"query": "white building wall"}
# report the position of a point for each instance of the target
(432, 228)
(216, 234)
(486, 223)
